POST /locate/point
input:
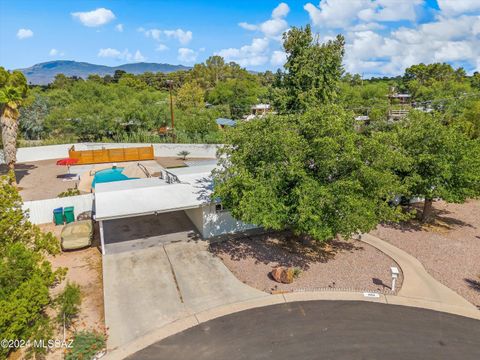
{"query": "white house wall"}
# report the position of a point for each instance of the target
(196, 217)
(219, 223)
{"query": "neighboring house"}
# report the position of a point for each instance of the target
(223, 123)
(258, 111)
(399, 106)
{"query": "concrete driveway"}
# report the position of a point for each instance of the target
(153, 286)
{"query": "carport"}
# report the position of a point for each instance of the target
(143, 212)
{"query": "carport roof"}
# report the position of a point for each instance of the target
(148, 196)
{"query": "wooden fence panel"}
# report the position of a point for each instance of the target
(112, 155)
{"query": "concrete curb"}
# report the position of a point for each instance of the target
(204, 316)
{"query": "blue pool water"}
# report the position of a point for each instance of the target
(109, 175)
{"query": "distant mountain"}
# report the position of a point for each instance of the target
(44, 73)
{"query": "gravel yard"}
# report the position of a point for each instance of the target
(449, 249)
(339, 265)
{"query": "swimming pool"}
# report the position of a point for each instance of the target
(109, 175)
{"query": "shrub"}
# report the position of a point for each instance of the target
(85, 345)
(68, 303)
(25, 273)
(69, 192)
(184, 154)
(297, 272)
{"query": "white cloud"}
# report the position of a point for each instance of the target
(121, 55)
(258, 53)
(457, 7)
(274, 27)
(109, 52)
(334, 13)
(248, 26)
(183, 36)
(98, 17)
(153, 33)
(161, 47)
(187, 55)
(344, 13)
(280, 11)
(138, 56)
(453, 40)
(254, 54)
(367, 26)
(119, 27)
(24, 33)
(56, 53)
(278, 58)
(391, 10)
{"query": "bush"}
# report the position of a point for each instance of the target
(85, 345)
(69, 192)
(25, 273)
(183, 154)
(68, 303)
(297, 272)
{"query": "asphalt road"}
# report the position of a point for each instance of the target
(325, 330)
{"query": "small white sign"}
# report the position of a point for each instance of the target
(371, 295)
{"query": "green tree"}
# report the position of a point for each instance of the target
(13, 92)
(117, 75)
(190, 95)
(32, 117)
(310, 173)
(238, 94)
(443, 161)
(313, 70)
(25, 274)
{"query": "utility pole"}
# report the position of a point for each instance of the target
(170, 87)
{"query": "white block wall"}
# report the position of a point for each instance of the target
(49, 152)
(41, 211)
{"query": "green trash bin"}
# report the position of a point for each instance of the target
(69, 215)
(58, 216)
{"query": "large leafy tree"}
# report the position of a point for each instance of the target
(25, 274)
(311, 173)
(13, 92)
(190, 95)
(32, 117)
(238, 94)
(443, 162)
(313, 69)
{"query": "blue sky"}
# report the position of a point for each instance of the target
(382, 36)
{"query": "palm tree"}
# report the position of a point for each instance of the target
(13, 91)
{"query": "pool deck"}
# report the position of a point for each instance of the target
(44, 179)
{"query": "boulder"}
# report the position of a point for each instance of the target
(283, 275)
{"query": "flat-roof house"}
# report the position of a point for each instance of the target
(186, 189)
